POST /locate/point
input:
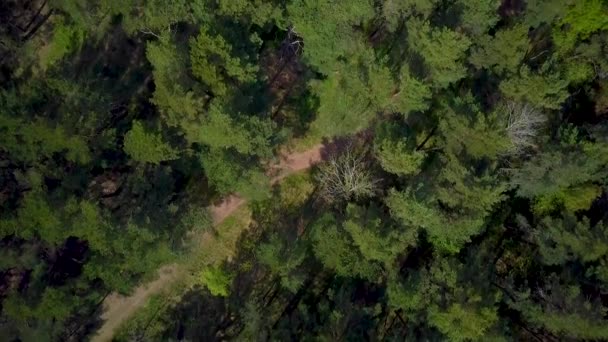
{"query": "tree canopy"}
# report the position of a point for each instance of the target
(316, 170)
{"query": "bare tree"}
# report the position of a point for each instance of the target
(346, 176)
(523, 124)
(293, 41)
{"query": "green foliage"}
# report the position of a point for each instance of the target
(564, 240)
(211, 58)
(460, 323)
(251, 136)
(196, 219)
(546, 90)
(92, 17)
(449, 295)
(423, 239)
(502, 53)
(227, 173)
(394, 10)
(571, 199)
(562, 173)
(480, 138)
(462, 189)
(295, 190)
(479, 16)
(346, 102)
(122, 261)
(177, 104)
(34, 141)
(50, 313)
(156, 17)
(396, 150)
(337, 251)
(66, 39)
(282, 261)
(217, 280)
(35, 218)
(147, 147)
(545, 11)
(415, 213)
(261, 12)
(375, 240)
(564, 312)
(412, 95)
(442, 50)
(397, 158)
(580, 21)
(356, 92)
(458, 197)
(327, 28)
(466, 129)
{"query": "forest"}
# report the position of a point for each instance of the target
(303, 170)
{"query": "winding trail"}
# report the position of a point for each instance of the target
(117, 308)
(289, 163)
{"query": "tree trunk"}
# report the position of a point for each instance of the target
(27, 27)
(35, 29)
(428, 137)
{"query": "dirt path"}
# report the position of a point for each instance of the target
(225, 208)
(289, 163)
(294, 162)
(117, 309)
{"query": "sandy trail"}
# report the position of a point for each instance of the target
(117, 308)
(294, 162)
(289, 163)
(225, 208)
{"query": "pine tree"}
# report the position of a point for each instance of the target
(328, 29)
(442, 50)
(479, 16)
(147, 147)
(212, 58)
(504, 52)
(546, 89)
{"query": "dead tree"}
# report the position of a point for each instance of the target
(523, 123)
(346, 176)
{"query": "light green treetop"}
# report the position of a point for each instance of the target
(177, 105)
(35, 140)
(146, 146)
(462, 323)
(581, 20)
(478, 16)
(394, 11)
(502, 53)
(546, 89)
(442, 50)
(327, 28)
(212, 59)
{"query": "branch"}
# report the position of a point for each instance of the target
(428, 137)
(27, 27)
(37, 26)
(149, 32)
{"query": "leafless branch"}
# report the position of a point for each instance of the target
(523, 124)
(538, 55)
(293, 42)
(345, 177)
(150, 32)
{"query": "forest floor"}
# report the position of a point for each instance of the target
(117, 308)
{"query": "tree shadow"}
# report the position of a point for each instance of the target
(358, 142)
(199, 316)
